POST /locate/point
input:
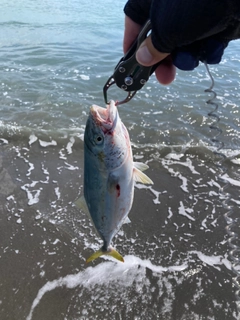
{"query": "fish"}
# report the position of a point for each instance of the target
(109, 175)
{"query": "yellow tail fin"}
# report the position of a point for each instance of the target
(111, 252)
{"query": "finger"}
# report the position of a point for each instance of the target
(131, 32)
(166, 71)
(147, 55)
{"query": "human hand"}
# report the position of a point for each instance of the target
(191, 31)
(148, 55)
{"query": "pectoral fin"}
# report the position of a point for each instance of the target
(140, 166)
(139, 176)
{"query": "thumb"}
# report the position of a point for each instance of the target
(147, 55)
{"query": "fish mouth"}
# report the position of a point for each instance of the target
(105, 117)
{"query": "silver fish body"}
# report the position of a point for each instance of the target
(109, 174)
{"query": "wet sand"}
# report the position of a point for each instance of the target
(176, 266)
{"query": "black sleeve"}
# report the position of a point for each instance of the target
(138, 10)
(177, 23)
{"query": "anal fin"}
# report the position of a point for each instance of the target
(82, 204)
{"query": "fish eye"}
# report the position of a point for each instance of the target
(98, 139)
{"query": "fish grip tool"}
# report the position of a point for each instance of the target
(234, 253)
(128, 74)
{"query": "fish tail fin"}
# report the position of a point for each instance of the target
(110, 252)
(115, 254)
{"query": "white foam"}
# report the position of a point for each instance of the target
(236, 201)
(138, 156)
(46, 181)
(32, 139)
(31, 167)
(57, 192)
(170, 213)
(69, 145)
(230, 180)
(132, 271)
(84, 77)
(39, 215)
(213, 261)
(46, 143)
(155, 192)
(176, 174)
(5, 141)
(62, 155)
(158, 112)
(56, 241)
(33, 195)
(174, 156)
(204, 223)
(184, 183)
(236, 161)
(11, 197)
(185, 211)
(214, 223)
(70, 166)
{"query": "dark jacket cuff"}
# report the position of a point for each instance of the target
(138, 10)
